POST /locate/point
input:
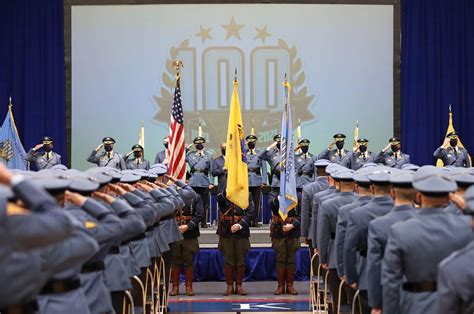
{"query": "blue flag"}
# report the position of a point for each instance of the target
(288, 198)
(12, 152)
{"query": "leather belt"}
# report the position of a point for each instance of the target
(182, 220)
(200, 171)
(231, 218)
(91, 267)
(61, 286)
(114, 250)
(24, 308)
(278, 219)
(167, 217)
(256, 170)
(426, 286)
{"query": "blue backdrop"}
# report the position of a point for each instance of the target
(437, 69)
(32, 69)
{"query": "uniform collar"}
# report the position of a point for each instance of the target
(382, 199)
(431, 211)
(346, 193)
(402, 208)
(365, 197)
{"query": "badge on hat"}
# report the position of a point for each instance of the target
(339, 137)
(199, 140)
(108, 141)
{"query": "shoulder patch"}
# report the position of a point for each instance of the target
(15, 210)
(89, 224)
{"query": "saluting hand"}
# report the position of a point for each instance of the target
(331, 145)
(38, 146)
(99, 147)
(445, 142)
(5, 175)
(109, 199)
(127, 187)
(144, 187)
(75, 198)
(386, 147)
(458, 200)
(117, 189)
(171, 178)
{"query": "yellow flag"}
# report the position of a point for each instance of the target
(141, 139)
(356, 136)
(439, 162)
(235, 158)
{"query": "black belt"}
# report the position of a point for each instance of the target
(138, 237)
(257, 171)
(426, 286)
(114, 250)
(333, 235)
(200, 171)
(91, 267)
(150, 228)
(61, 286)
(168, 217)
(307, 174)
(363, 253)
(25, 308)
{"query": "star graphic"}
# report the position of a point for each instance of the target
(205, 33)
(262, 33)
(232, 29)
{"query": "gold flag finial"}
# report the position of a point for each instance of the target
(178, 64)
(10, 102)
(450, 108)
(235, 74)
(200, 128)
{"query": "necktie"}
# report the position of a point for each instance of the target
(455, 151)
(138, 162)
(339, 153)
(47, 156)
(396, 156)
(363, 156)
(108, 155)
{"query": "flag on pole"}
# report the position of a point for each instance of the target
(287, 198)
(439, 162)
(237, 190)
(177, 157)
(12, 152)
(356, 137)
(141, 136)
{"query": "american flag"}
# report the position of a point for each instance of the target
(177, 158)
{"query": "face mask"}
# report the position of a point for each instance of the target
(223, 151)
(453, 143)
(108, 148)
(340, 145)
(137, 154)
(304, 149)
(199, 146)
(251, 145)
(395, 148)
(165, 145)
(47, 148)
(278, 145)
(363, 148)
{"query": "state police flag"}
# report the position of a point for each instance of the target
(12, 152)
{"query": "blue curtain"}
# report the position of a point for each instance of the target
(437, 70)
(32, 69)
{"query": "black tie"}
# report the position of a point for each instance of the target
(47, 156)
(363, 156)
(340, 154)
(108, 155)
(396, 156)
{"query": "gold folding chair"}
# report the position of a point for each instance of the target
(312, 284)
(128, 305)
(355, 300)
(341, 285)
(143, 291)
(151, 283)
(325, 295)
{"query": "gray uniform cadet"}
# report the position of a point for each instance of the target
(218, 170)
(456, 275)
(327, 221)
(107, 157)
(138, 161)
(394, 158)
(272, 156)
(318, 197)
(379, 228)
(257, 170)
(362, 184)
(200, 164)
(161, 155)
(464, 179)
(320, 184)
(62, 292)
(46, 159)
(451, 154)
(335, 155)
(355, 160)
(304, 165)
(43, 224)
(355, 247)
(416, 246)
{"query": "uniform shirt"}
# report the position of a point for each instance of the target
(458, 156)
(452, 208)
(334, 155)
(219, 172)
(227, 208)
(293, 218)
(160, 157)
(341, 226)
(44, 160)
(415, 247)
(456, 282)
(377, 241)
(391, 159)
(137, 163)
(200, 164)
(356, 160)
(356, 238)
(327, 222)
(320, 184)
(257, 167)
(195, 209)
(107, 159)
(304, 168)
(317, 198)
